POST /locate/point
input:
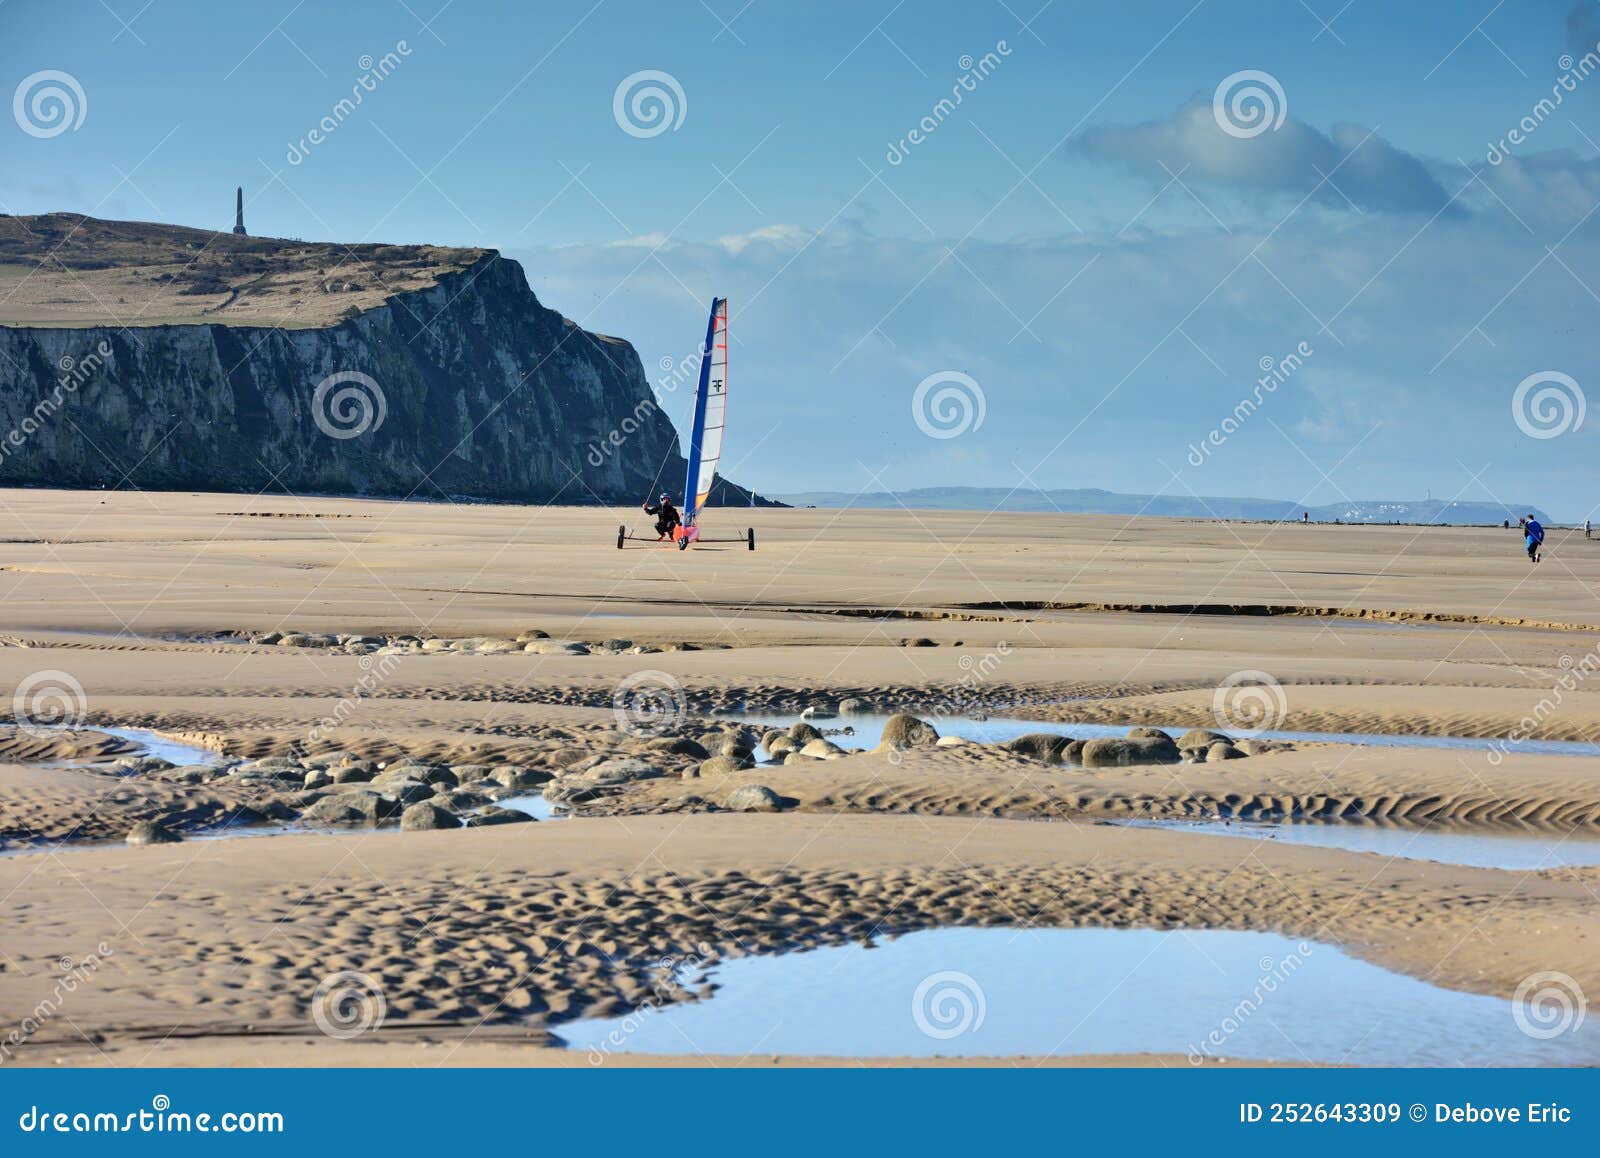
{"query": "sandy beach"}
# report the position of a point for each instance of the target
(503, 652)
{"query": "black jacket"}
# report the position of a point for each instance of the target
(666, 514)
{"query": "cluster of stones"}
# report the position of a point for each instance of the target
(533, 642)
(339, 788)
(1140, 746)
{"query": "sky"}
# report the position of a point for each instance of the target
(1313, 250)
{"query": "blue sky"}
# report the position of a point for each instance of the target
(1080, 238)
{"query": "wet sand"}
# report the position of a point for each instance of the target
(484, 939)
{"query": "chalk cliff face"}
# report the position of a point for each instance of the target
(468, 387)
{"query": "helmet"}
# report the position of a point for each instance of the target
(665, 495)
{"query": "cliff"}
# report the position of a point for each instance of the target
(375, 370)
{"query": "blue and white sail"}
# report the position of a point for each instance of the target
(710, 413)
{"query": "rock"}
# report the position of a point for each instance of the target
(1040, 746)
(803, 733)
(680, 746)
(555, 647)
(407, 791)
(152, 832)
(307, 639)
(1148, 734)
(190, 774)
(1109, 752)
(620, 770)
(1223, 752)
(269, 764)
(426, 773)
(753, 798)
(459, 799)
(426, 815)
(140, 765)
(856, 706)
(492, 815)
(724, 765)
(822, 750)
(903, 730)
(496, 646)
(361, 806)
(516, 776)
(1251, 746)
(1201, 738)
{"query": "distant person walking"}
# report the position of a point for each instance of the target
(1586, 528)
(1534, 536)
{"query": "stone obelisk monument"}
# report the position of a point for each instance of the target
(238, 211)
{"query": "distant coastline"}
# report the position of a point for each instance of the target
(1092, 501)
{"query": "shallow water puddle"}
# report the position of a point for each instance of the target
(868, 730)
(150, 744)
(1007, 992)
(535, 806)
(1522, 850)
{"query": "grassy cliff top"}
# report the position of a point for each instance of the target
(64, 269)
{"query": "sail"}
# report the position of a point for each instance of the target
(710, 412)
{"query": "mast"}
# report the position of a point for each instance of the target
(710, 413)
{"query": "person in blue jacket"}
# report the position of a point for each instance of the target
(1534, 534)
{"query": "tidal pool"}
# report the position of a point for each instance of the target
(1058, 992)
(1521, 849)
(995, 730)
